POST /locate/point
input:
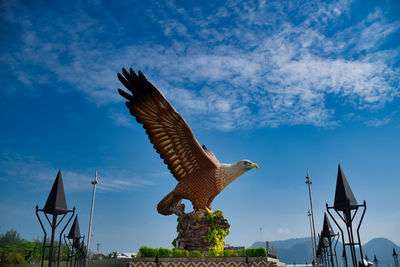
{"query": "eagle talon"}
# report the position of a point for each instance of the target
(179, 210)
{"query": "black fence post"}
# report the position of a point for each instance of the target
(56, 205)
(345, 203)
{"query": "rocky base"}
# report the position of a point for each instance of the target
(202, 231)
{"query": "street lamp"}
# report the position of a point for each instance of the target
(94, 183)
(311, 214)
(312, 237)
(396, 258)
(55, 205)
(344, 204)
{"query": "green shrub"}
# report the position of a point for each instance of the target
(164, 252)
(148, 252)
(261, 252)
(179, 253)
(213, 253)
(176, 253)
(230, 253)
(185, 253)
(241, 252)
(196, 253)
(256, 252)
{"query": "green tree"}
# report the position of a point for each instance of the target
(15, 258)
(10, 237)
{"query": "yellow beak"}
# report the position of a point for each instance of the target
(254, 165)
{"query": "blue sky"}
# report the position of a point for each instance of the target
(292, 86)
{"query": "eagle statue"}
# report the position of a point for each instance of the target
(201, 177)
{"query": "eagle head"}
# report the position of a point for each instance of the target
(233, 171)
(246, 165)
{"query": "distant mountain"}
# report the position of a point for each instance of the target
(299, 250)
(284, 243)
(382, 248)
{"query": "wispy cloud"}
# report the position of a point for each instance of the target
(283, 230)
(120, 119)
(377, 122)
(35, 173)
(246, 65)
(369, 34)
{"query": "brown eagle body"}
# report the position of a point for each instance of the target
(201, 177)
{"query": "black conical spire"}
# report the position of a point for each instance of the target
(56, 203)
(344, 197)
(327, 230)
(75, 231)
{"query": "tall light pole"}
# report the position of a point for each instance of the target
(94, 183)
(313, 238)
(91, 246)
(312, 235)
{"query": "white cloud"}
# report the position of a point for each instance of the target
(282, 230)
(377, 122)
(120, 119)
(369, 34)
(40, 176)
(260, 66)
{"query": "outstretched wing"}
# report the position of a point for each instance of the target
(210, 154)
(167, 130)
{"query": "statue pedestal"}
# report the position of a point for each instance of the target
(201, 231)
